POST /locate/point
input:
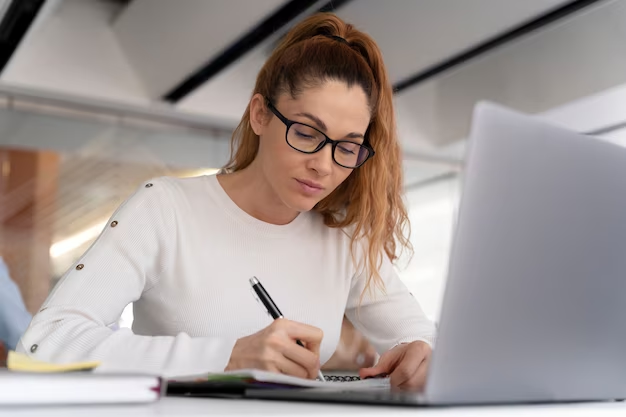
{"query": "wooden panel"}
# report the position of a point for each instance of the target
(29, 186)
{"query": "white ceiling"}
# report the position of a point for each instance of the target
(133, 53)
(139, 51)
(75, 51)
(445, 28)
(565, 63)
(4, 5)
(166, 40)
(427, 32)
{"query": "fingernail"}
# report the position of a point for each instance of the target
(381, 375)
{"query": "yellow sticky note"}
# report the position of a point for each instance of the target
(20, 362)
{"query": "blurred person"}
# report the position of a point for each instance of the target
(14, 317)
(310, 202)
(4, 353)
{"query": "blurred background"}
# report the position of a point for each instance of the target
(99, 95)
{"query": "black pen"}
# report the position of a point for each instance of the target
(273, 310)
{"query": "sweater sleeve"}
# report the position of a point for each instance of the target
(14, 317)
(126, 260)
(390, 317)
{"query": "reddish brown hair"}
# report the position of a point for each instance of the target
(369, 201)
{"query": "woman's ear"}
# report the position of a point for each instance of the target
(258, 114)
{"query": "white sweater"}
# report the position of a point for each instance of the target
(182, 251)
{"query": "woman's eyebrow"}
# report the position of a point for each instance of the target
(355, 135)
(322, 126)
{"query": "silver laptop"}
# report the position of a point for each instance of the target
(535, 302)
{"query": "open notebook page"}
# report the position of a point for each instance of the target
(281, 379)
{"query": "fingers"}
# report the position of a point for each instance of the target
(274, 361)
(405, 370)
(286, 366)
(372, 371)
(412, 370)
(418, 381)
(276, 348)
(309, 335)
(385, 365)
(304, 358)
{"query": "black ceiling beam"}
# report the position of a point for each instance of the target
(332, 6)
(14, 25)
(607, 129)
(494, 43)
(246, 43)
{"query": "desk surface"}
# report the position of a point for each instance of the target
(187, 407)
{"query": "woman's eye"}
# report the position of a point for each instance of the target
(347, 149)
(304, 135)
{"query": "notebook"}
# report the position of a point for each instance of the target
(30, 388)
(31, 382)
(235, 383)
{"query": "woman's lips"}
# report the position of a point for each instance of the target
(310, 187)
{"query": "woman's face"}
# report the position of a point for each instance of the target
(297, 179)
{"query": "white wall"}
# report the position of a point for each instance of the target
(433, 209)
(572, 75)
(432, 212)
(597, 111)
(173, 148)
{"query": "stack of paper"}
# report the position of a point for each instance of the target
(20, 362)
(30, 382)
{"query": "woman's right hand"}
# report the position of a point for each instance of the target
(274, 349)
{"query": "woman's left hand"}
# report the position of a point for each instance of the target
(406, 365)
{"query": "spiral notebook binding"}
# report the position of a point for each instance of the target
(341, 378)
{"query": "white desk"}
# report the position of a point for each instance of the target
(187, 407)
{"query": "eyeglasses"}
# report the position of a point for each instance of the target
(307, 139)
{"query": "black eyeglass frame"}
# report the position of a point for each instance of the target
(288, 123)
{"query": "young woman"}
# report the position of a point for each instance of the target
(310, 203)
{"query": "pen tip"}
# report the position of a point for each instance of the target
(253, 281)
